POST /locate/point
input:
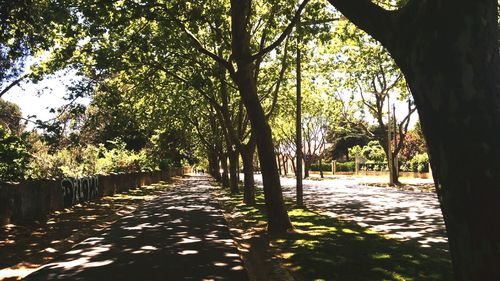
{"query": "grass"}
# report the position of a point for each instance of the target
(325, 248)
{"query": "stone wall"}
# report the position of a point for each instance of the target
(35, 199)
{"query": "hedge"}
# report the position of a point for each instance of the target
(325, 167)
(346, 166)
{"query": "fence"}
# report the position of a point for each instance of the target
(34, 199)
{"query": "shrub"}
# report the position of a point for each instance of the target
(346, 166)
(371, 152)
(119, 159)
(420, 163)
(325, 167)
(14, 156)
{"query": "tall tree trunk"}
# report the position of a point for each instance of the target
(285, 165)
(247, 154)
(279, 163)
(278, 220)
(224, 167)
(453, 76)
(394, 171)
(307, 166)
(213, 165)
(233, 178)
(321, 168)
(448, 52)
(456, 92)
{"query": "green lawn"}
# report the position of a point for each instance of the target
(325, 248)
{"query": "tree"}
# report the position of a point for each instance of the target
(448, 52)
(25, 29)
(245, 76)
(365, 69)
(10, 116)
(14, 155)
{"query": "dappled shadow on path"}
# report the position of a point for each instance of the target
(179, 236)
(24, 246)
(404, 215)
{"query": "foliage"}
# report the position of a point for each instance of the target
(10, 115)
(325, 167)
(349, 166)
(372, 152)
(414, 144)
(78, 161)
(13, 154)
(419, 163)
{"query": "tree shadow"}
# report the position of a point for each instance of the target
(401, 214)
(330, 249)
(31, 243)
(362, 237)
(180, 236)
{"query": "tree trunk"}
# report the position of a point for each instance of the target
(213, 165)
(285, 165)
(394, 171)
(279, 164)
(307, 165)
(233, 178)
(225, 175)
(448, 52)
(278, 220)
(454, 84)
(321, 168)
(247, 154)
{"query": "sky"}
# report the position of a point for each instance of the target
(38, 99)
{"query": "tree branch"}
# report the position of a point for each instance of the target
(368, 16)
(14, 83)
(199, 46)
(283, 35)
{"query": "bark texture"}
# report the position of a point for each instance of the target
(247, 154)
(448, 51)
(278, 220)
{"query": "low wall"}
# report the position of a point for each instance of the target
(385, 173)
(34, 199)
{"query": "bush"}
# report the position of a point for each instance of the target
(13, 156)
(346, 166)
(371, 152)
(84, 161)
(69, 162)
(325, 167)
(420, 163)
(374, 166)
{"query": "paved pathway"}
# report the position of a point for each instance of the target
(406, 215)
(181, 235)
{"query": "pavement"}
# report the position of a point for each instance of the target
(180, 235)
(400, 214)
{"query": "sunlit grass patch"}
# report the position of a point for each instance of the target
(325, 248)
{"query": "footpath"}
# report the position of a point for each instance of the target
(180, 235)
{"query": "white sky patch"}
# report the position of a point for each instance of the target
(37, 99)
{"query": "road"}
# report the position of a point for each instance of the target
(404, 215)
